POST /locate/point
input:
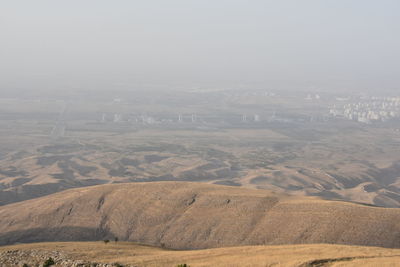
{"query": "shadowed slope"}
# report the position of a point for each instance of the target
(190, 215)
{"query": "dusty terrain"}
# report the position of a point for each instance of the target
(50, 143)
(129, 254)
(182, 215)
(359, 166)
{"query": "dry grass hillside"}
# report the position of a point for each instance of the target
(360, 166)
(128, 254)
(183, 215)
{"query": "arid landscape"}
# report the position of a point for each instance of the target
(129, 254)
(197, 188)
(292, 147)
(182, 215)
(187, 133)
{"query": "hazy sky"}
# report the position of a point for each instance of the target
(65, 44)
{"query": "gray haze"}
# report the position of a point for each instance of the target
(322, 44)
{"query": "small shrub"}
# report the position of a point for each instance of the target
(118, 264)
(25, 265)
(182, 265)
(106, 241)
(48, 262)
(116, 239)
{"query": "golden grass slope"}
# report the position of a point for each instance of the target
(289, 255)
(193, 216)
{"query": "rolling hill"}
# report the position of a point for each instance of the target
(363, 167)
(183, 215)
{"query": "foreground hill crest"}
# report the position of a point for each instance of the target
(183, 215)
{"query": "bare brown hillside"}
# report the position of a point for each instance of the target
(190, 216)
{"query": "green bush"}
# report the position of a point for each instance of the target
(106, 241)
(48, 262)
(25, 265)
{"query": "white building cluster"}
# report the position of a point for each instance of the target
(372, 110)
